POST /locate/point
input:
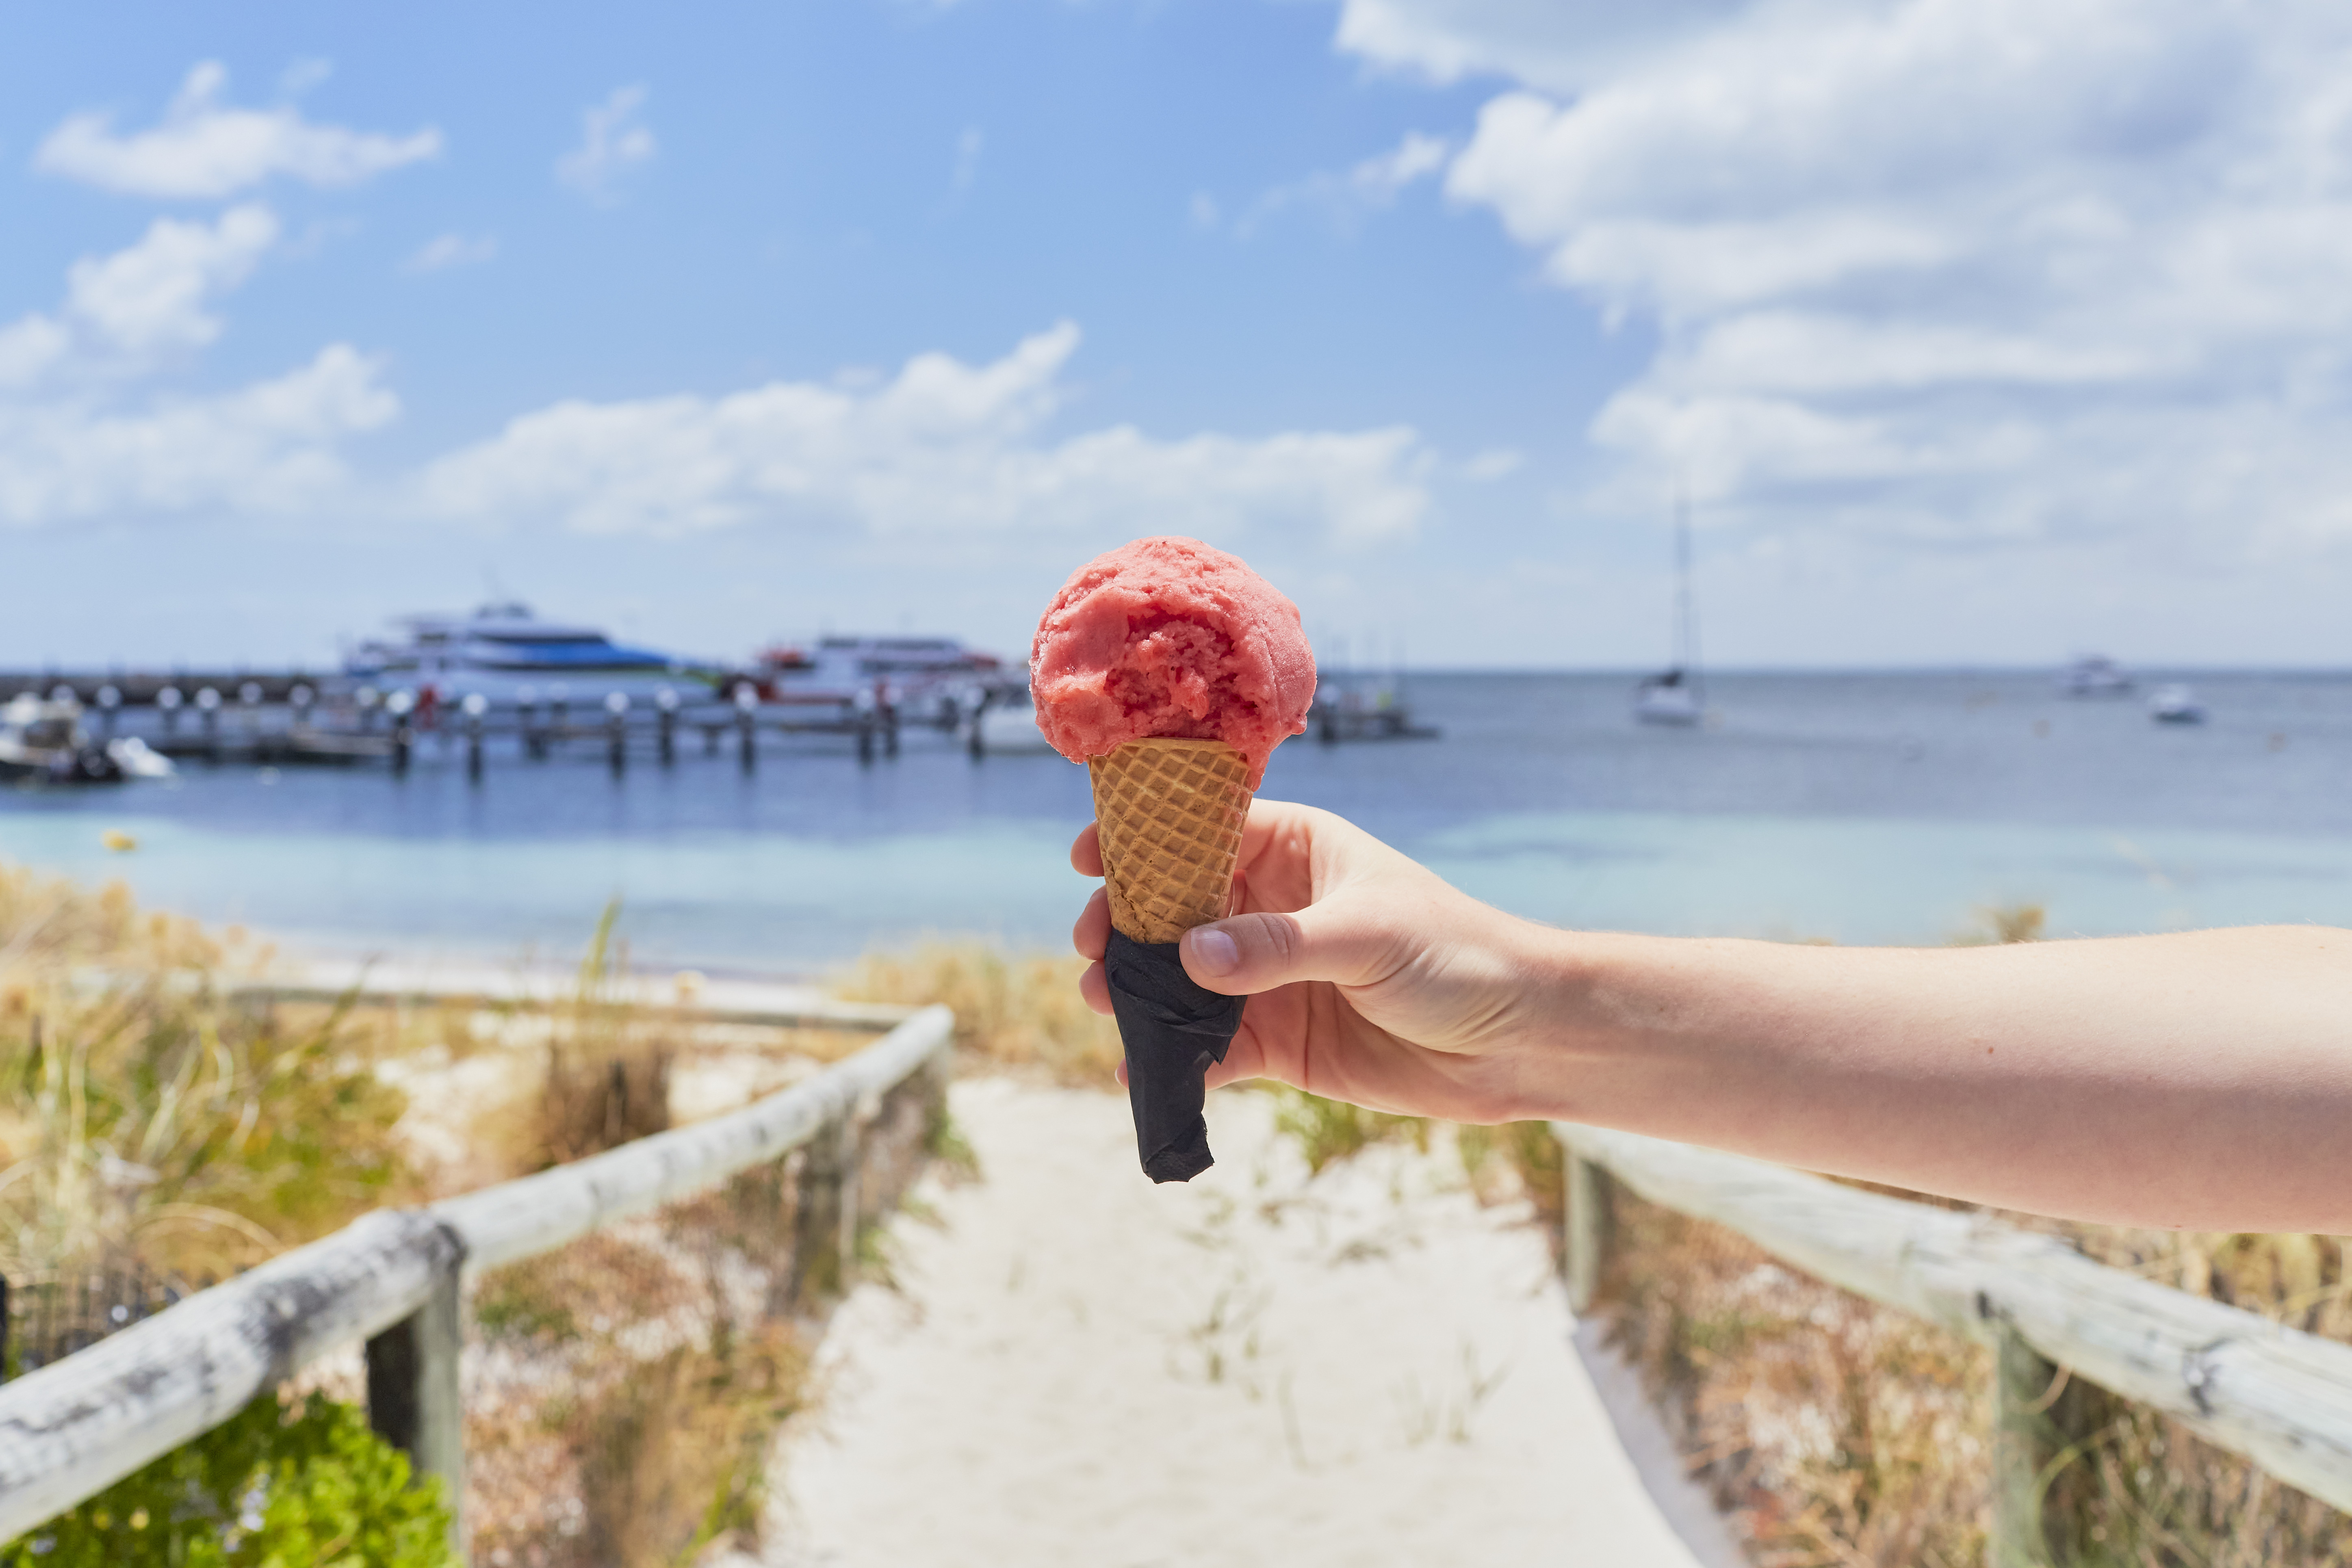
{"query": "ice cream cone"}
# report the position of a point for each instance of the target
(1171, 813)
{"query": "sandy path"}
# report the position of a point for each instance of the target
(1083, 1371)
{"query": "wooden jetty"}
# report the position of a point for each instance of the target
(139, 689)
(1346, 715)
(286, 720)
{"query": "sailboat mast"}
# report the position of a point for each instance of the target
(1686, 611)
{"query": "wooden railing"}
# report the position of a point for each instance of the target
(2278, 1396)
(394, 1278)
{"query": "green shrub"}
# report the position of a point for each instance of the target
(306, 1487)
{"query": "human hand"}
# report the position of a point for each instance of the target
(1370, 979)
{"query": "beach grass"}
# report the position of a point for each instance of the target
(148, 1117)
(146, 1114)
(624, 1389)
(1017, 1010)
(1836, 1431)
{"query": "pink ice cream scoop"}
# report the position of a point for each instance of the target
(1168, 638)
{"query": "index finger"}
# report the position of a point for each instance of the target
(1086, 851)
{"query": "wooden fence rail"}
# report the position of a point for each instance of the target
(394, 1279)
(2277, 1395)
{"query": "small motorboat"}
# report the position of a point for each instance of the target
(2175, 703)
(44, 742)
(2093, 675)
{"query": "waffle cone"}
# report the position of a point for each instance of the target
(1171, 813)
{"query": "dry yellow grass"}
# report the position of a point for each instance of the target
(1840, 1433)
(1018, 1010)
(145, 1118)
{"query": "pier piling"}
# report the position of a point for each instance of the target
(746, 700)
(474, 707)
(404, 738)
(208, 703)
(665, 724)
(616, 732)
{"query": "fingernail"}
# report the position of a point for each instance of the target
(1212, 951)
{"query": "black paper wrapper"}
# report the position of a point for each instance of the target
(1172, 1030)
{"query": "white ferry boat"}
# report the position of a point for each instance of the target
(899, 670)
(508, 655)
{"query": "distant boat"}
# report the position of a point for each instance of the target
(896, 670)
(1003, 722)
(2175, 703)
(45, 742)
(508, 654)
(1676, 695)
(2093, 675)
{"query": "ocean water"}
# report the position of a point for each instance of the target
(1859, 808)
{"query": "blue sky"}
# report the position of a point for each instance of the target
(1980, 331)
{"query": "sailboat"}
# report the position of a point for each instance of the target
(1675, 695)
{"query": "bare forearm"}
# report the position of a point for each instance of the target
(2201, 1079)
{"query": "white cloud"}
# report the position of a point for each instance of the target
(303, 75)
(943, 449)
(614, 140)
(1563, 45)
(205, 149)
(1345, 197)
(127, 313)
(1495, 463)
(1963, 271)
(271, 447)
(150, 299)
(969, 147)
(84, 432)
(445, 251)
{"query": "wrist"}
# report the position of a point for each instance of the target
(1587, 1019)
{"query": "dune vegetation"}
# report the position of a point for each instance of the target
(156, 1129)
(159, 1132)
(1838, 1432)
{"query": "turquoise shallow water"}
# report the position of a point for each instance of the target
(1863, 809)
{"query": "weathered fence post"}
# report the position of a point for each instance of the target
(852, 1128)
(2043, 1419)
(2022, 1447)
(824, 1229)
(938, 1077)
(1587, 1218)
(414, 1398)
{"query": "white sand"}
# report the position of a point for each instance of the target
(1081, 1370)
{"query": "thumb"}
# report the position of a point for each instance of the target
(1327, 941)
